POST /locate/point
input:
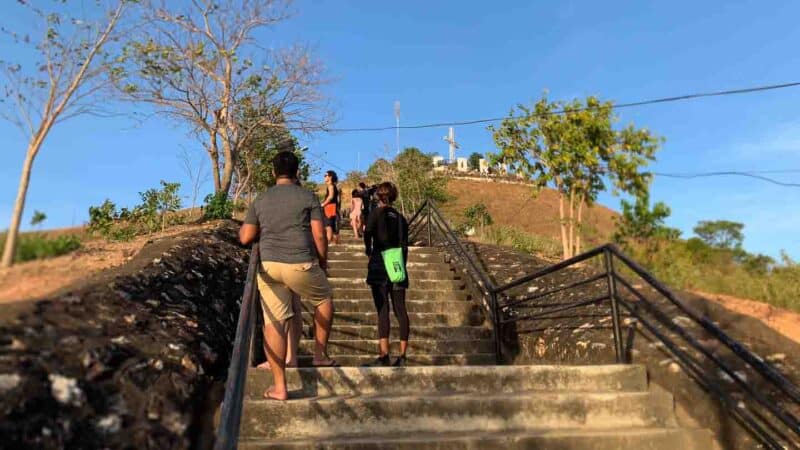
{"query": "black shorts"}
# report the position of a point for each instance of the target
(332, 222)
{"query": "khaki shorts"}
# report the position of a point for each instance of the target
(277, 282)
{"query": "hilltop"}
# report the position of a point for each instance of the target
(513, 204)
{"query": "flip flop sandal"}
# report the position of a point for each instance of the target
(267, 396)
(331, 363)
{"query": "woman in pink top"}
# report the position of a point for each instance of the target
(356, 203)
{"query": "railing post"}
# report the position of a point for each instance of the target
(498, 348)
(430, 235)
(612, 294)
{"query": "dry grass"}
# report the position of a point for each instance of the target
(513, 205)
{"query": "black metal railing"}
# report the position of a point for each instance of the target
(232, 401)
(764, 408)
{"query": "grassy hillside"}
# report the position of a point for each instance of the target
(513, 205)
(531, 224)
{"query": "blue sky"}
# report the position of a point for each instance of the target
(455, 60)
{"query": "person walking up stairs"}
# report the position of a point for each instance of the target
(451, 395)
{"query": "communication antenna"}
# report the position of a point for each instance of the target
(451, 139)
(397, 121)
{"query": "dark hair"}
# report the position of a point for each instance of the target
(285, 164)
(362, 185)
(354, 193)
(386, 192)
(332, 174)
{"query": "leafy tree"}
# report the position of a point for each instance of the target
(354, 177)
(474, 161)
(640, 223)
(38, 218)
(478, 215)
(63, 70)
(720, 233)
(381, 170)
(412, 172)
(218, 206)
(642, 228)
(199, 64)
(253, 168)
(575, 148)
(157, 204)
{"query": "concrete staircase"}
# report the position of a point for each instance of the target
(451, 396)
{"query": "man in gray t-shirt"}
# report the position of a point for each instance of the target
(287, 219)
(284, 214)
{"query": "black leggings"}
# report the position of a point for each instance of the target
(380, 295)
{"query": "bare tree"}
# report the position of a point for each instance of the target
(195, 64)
(197, 173)
(71, 67)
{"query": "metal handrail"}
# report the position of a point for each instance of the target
(231, 413)
(757, 424)
(737, 348)
(434, 218)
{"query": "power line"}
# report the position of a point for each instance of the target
(676, 98)
(753, 174)
(320, 158)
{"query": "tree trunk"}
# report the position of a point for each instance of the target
(213, 153)
(19, 205)
(227, 166)
(571, 223)
(580, 225)
(562, 223)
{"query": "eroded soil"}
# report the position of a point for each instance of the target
(126, 360)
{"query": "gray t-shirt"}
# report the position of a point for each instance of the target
(283, 214)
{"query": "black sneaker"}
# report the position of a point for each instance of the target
(380, 361)
(400, 361)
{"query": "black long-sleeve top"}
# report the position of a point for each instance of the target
(381, 233)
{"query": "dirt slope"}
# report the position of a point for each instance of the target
(536, 215)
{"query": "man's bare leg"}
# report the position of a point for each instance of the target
(323, 321)
(295, 331)
(275, 336)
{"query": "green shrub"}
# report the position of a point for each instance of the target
(218, 206)
(156, 206)
(102, 218)
(478, 216)
(157, 210)
(693, 264)
(40, 246)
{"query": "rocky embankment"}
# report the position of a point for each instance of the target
(128, 363)
(584, 336)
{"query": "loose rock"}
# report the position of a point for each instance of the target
(65, 390)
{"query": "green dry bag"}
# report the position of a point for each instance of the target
(393, 257)
(393, 261)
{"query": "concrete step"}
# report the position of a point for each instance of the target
(361, 264)
(360, 283)
(414, 273)
(417, 332)
(335, 254)
(420, 306)
(358, 247)
(313, 382)
(416, 319)
(564, 439)
(413, 293)
(425, 346)
(414, 359)
(360, 415)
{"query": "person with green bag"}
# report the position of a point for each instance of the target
(386, 242)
